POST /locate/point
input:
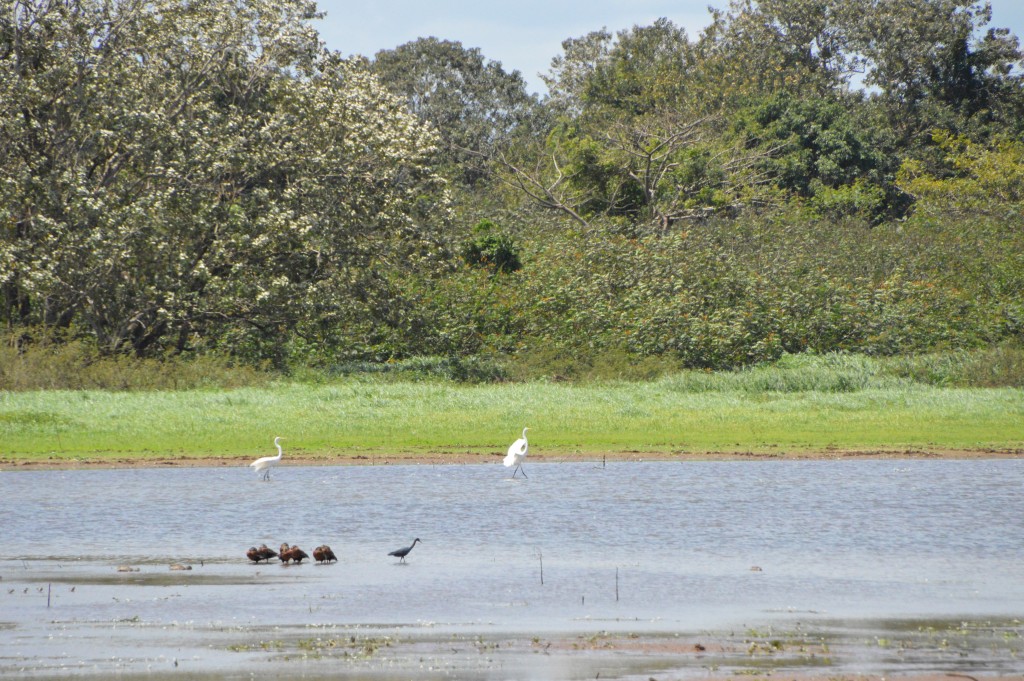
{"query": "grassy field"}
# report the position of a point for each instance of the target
(803, 406)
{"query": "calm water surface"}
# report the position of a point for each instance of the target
(649, 546)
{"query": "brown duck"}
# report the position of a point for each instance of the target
(323, 554)
(262, 553)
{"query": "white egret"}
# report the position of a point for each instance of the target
(263, 465)
(403, 552)
(517, 454)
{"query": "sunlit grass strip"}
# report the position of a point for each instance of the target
(358, 417)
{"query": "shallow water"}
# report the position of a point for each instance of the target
(577, 547)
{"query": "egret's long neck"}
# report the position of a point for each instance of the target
(280, 452)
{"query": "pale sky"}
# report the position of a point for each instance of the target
(524, 35)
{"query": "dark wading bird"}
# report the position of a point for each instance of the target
(264, 464)
(403, 552)
(517, 454)
(261, 553)
(323, 554)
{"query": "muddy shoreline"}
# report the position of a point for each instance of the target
(919, 650)
(467, 457)
(915, 650)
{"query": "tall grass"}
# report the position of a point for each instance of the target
(78, 365)
(801, 403)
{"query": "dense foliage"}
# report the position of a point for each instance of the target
(186, 179)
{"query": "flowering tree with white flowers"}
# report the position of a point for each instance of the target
(176, 174)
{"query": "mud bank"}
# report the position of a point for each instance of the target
(441, 458)
(812, 650)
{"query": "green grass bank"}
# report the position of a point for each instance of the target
(800, 405)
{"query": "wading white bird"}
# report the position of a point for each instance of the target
(517, 454)
(263, 465)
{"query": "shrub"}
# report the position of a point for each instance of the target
(492, 248)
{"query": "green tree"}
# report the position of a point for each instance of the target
(492, 248)
(638, 71)
(571, 72)
(767, 47)
(473, 103)
(635, 142)
(825, 151)
(932, 65)
(983, 179)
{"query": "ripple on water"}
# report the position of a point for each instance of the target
(656, 547)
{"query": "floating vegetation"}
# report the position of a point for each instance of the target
(360, 647)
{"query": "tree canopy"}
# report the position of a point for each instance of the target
(205, 177)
